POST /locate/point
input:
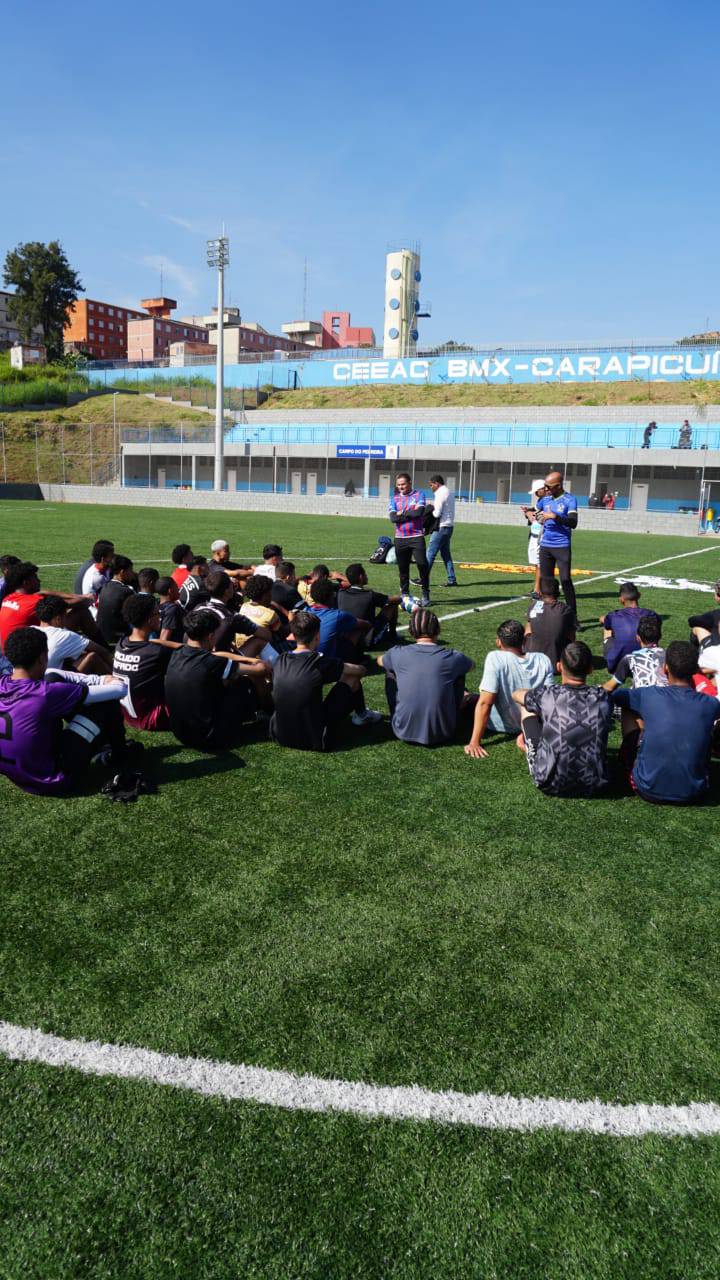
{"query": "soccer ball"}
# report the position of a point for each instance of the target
(410, 603)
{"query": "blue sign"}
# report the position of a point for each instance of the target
(367, 451)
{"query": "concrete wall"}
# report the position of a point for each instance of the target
(478, 513)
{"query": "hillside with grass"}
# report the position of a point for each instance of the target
(486, 397)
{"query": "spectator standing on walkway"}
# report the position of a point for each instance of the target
(648, 435)
(685, 436)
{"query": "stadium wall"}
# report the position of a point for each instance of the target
(467, 513)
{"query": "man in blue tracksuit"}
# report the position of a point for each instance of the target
(558, 515)
(406, 509)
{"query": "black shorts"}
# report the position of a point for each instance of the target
(337, 706)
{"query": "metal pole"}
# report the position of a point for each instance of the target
(4, 457)
(181, 457)
(632, 469)
(512, 460)
(62, 450)
(219, 380)
(91, 453)
(37, 457)
(249, 444)
(115, 439)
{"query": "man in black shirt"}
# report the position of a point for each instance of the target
(112, 598)
(209, 695)
(369, 606)
(171, 614)
(235, 631)
(142, 663)
(706, 626)
(551, 624)
(284, 588)
(220, 562)
(193, 591)
(302, 719)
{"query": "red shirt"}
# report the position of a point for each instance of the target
(18, 610)
(180, 574)
(703, 685)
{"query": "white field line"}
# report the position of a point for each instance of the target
(401, 1102)
(585, 582)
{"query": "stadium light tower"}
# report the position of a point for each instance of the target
(218, 255)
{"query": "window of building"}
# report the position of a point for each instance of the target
(91, 306)
(100, 307)
(335, 323)
(110, 324)
(110, 311)
(101, 323)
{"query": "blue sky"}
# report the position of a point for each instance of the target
(557, 164)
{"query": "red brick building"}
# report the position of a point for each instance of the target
(338, 332)
(98, 329)
(149, 335)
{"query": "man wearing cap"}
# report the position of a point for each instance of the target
(221, 562)
(537, 490)
(558, 515)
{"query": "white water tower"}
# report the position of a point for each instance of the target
(403, 307)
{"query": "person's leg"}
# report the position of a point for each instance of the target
(390, 614)
(238, 706)
(339, 704)
(88, 732)
(434, 546)
(420, 557)
(546, 562)
(531, 734)
(391, 692)
(563, 557)
(445, 536)
(94, 664)
(404, 555)
(79, 618)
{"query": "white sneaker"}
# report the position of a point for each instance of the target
(366, 717)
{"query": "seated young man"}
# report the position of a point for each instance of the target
(112, 598)
(257, 606)
(6, 562)
(68, 648)
(565, 729)
(147, 581)
(506, 669)
(142, 663)
(19, 605)
(285, 594)
(37, 752)
(644, 666)
(209, 696)
(425, 684)
(182, 558)
(342, 635)
(220, 562)
(620, 626)
(272, 555)
(668, 732)
(193, 591)
(235, 630)
(91, 583)
(705, 627)
(551, 624)
(302, 718)
(171, 614)
(380, 611)
(304, 584)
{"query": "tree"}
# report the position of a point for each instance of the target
(46, 286)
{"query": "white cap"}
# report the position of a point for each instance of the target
(536, 484)
(218, 544)
(709, 659)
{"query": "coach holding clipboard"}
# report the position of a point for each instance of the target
(558, 515)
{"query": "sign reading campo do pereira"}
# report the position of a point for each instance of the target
(669, 365)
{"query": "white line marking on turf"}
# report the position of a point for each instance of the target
(401, 1102)
(586, 582)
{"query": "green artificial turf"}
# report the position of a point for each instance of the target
(388, 914)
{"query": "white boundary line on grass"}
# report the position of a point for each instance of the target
(586, 582)
(401, 1102)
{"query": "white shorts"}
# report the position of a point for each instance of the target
(534, 550)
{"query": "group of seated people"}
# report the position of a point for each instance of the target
(217, 645)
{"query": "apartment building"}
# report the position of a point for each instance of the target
(9, 332)
(98, 329)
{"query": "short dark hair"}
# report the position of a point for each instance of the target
(197, 561)
(437, 479)
(549, 587)
(103, 547)
(162, 586)
(138, 608)
(355, 574)
(18, 573)
(628, 591)
(257, 586)
(180, 553)
(649, 628)
(716, 588)
(271, 549)
(424, 623)
(200, 623)
(320, 571)
(403, 475)
(7, 561)
(305, 625)
(511, 634)
(576, 658)
(681, 660)
(322, 591)
(25, 645)
(118, 564)
(285, 569)
(148, 579)
(51, 607)
(217, 582)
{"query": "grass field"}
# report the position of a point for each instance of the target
(481, 395)
(384, 914)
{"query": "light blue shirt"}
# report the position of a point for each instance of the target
(503, 673)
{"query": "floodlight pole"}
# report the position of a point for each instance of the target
(218, 255)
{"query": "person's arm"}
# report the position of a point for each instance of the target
(518, 695)
(353, 669)
(483, 707)
(612, 684)
(165, 644)
(707, 621)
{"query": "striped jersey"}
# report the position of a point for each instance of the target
(413, 526)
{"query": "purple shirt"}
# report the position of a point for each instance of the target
(413, 527)
(624, 624)
(29, 714)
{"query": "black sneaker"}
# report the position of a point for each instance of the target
(417, 582)
(452, 584)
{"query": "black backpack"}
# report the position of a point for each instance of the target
(379, 555)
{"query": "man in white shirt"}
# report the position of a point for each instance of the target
(68, 648)
(506, 669)
(444, 513)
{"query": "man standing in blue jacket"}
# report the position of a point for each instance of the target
(558, 515)
(407, 510)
